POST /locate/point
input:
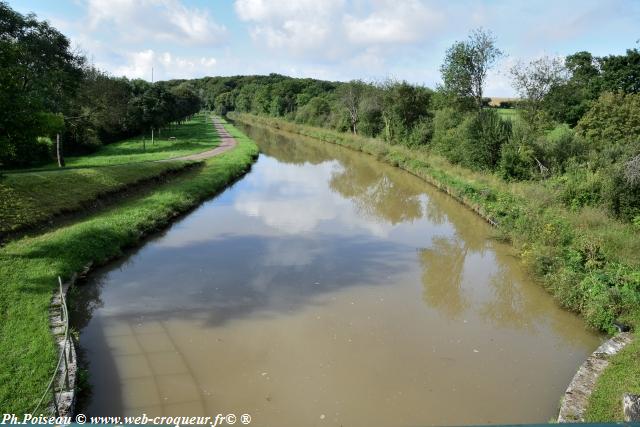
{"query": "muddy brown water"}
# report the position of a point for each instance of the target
(326, 288)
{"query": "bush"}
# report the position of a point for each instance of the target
(581, 187)
(613, 119)
(559, 146)
(486, 133)
(448, 133)
(314, 113)
(623, 192)
(421, 134)
(516, 161)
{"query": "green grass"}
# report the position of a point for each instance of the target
(31, 198)
(508, 113)
(192, 136)
(621, 376)
(29, 267)
(587, 260)
(35, 196)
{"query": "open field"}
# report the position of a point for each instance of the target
(29, 267)
(495, 101)
(508, 113)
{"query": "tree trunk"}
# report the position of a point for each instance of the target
(59, 152)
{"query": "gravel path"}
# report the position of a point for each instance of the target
(227, 142)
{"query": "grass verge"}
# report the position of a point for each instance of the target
(192, 136)
(587, 260)
(621, 376)
(29, 267)
(32, 198)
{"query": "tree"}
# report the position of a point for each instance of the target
(533, 81)
(466, 64)
(404, 105)
(567, 102)
(613, 120)
(621, 72)
(39, 74)
(350, 96)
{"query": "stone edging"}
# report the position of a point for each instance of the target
(64, 383)
(576, 397)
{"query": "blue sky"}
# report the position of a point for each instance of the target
(330, 39)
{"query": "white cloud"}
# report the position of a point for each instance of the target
(392, 22)
(337, 30)
(154, 20)
(301, 27)
(165, 65)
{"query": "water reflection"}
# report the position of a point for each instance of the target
(327, 284)
(443, 268)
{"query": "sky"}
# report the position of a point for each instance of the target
(330, 39)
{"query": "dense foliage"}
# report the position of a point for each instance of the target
(49, 89)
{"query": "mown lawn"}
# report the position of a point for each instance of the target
(29, 267)
(192, 136)
(31, 198)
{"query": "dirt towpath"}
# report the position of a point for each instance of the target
(227, 142)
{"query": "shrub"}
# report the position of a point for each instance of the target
(421, 134)
(448, 133)
(623, 192)
(581, 187)
(516, 161)
(559, 146)
(613, 119)
(485, 135)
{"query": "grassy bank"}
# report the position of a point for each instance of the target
(29, 267)
(32, 198)
(587, 260)
(35, 196)
(191, 136)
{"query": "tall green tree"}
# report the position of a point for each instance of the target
(534, 80)
(467, 63)
(39, 74)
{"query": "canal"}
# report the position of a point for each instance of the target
(326, 288)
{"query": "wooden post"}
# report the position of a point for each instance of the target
(152, 135)
(59, 152)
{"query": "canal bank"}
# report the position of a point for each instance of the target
(29, 267)
(558, 248)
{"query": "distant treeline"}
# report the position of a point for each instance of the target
(47, 89)
(577, 121)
